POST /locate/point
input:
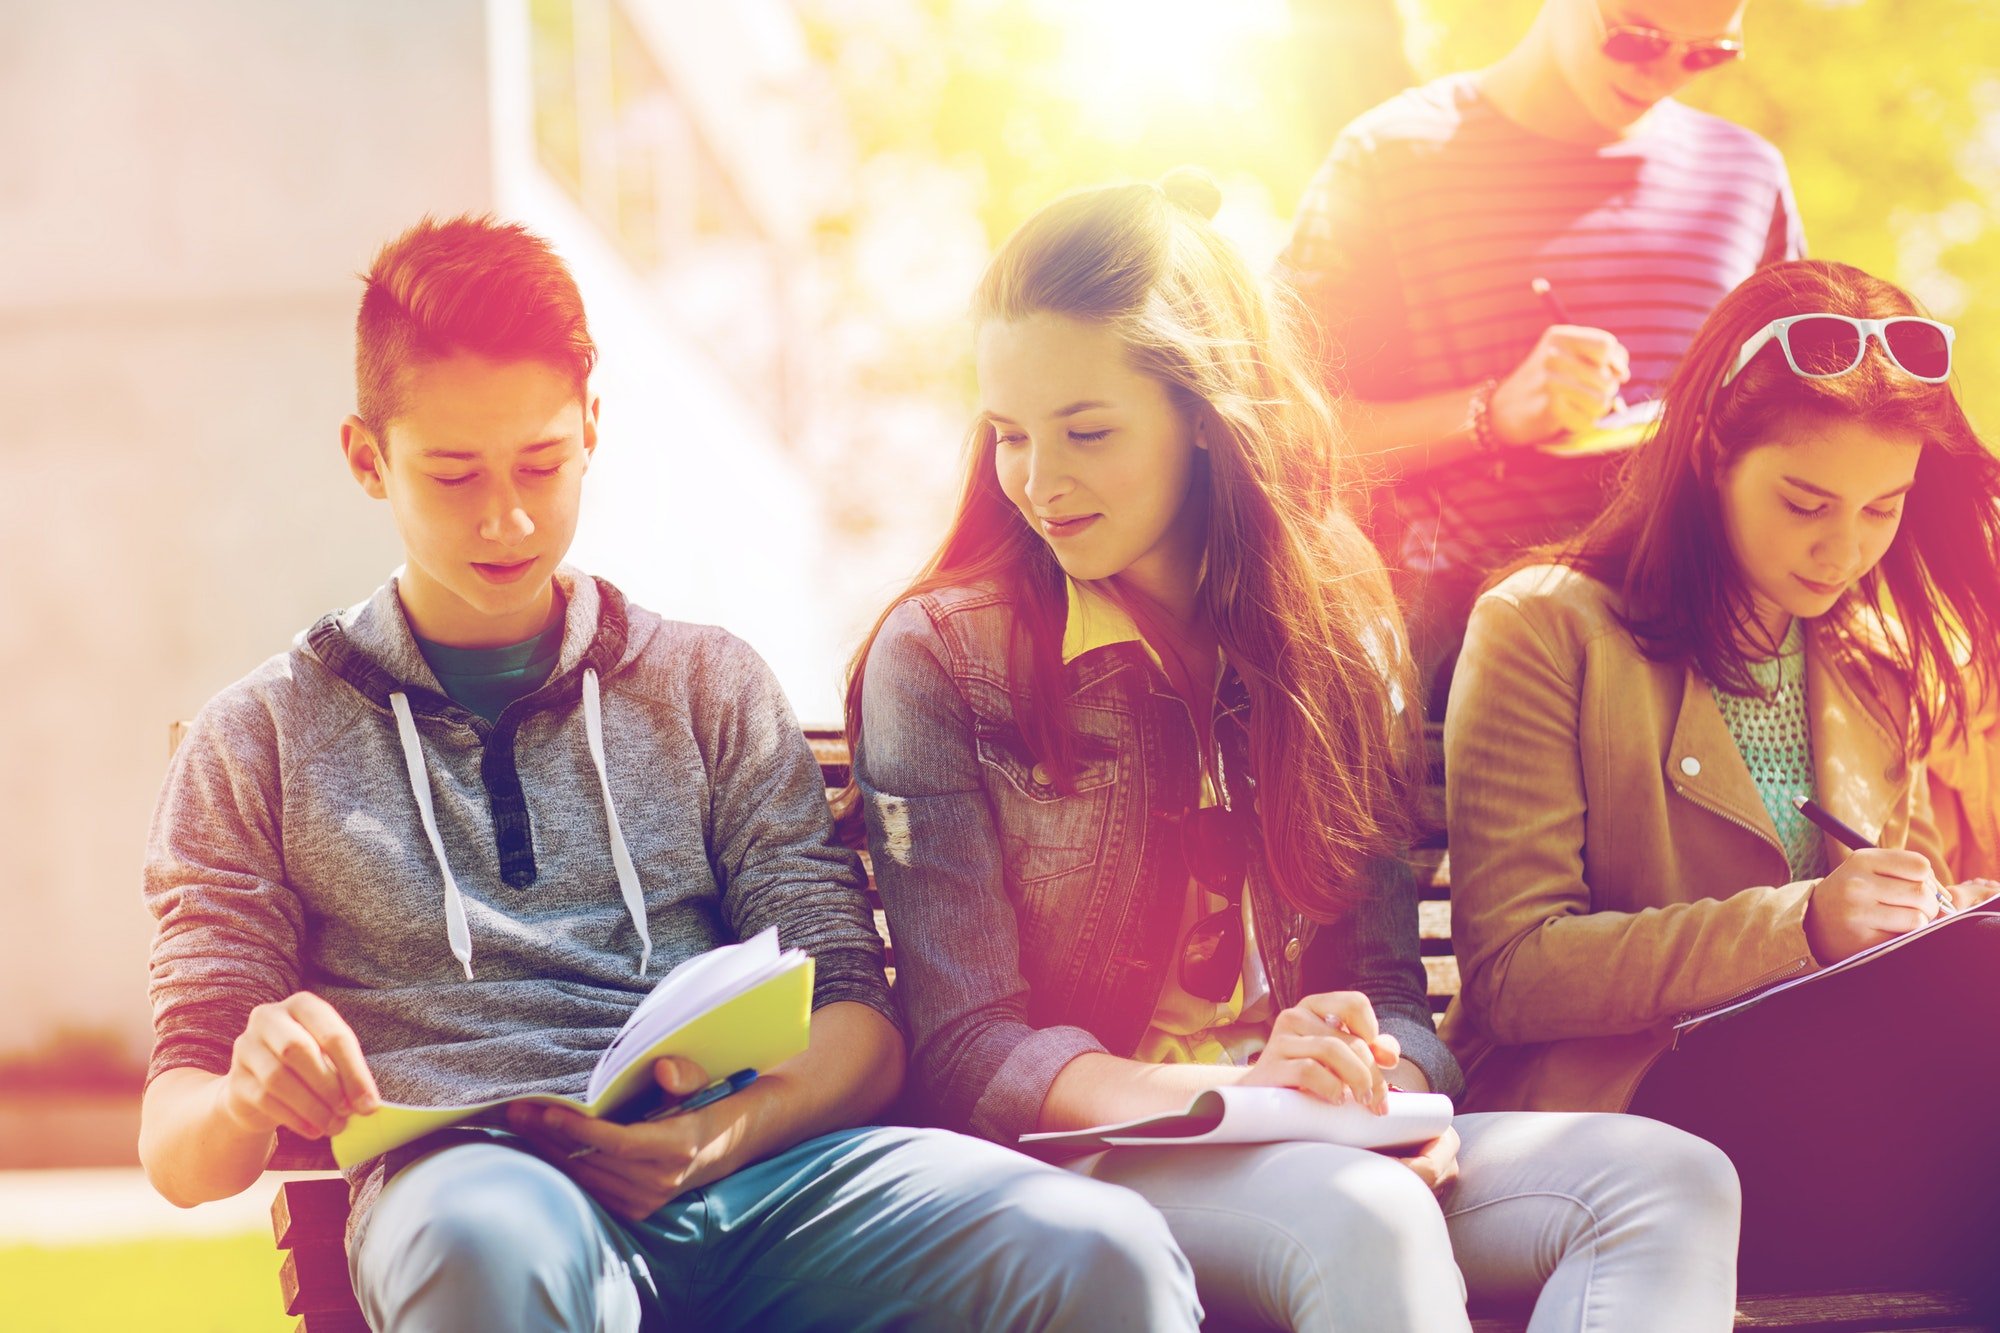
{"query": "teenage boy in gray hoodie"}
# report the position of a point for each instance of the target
(439, 850)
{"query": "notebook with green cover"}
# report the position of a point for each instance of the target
(741, 1006)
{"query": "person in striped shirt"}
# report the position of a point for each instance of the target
(1419, 241)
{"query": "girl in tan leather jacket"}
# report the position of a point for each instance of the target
(1769, 607)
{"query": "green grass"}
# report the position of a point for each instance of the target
(224, 1285)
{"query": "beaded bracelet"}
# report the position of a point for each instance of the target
(1484, 435)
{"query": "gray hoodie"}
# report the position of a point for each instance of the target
(484, 903)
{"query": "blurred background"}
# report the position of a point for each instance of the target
(776, 210)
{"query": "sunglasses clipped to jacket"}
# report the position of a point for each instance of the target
(1217, 843)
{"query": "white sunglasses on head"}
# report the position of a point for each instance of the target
(1820, 346)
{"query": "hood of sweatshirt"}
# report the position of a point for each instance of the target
(372, 649)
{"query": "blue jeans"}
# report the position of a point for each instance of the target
(864, 1229)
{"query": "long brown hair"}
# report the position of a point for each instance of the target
(1297, 596)
(1934, 598)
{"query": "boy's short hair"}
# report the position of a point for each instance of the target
(473, 284)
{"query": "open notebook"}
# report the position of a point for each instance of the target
(1624, 429)
(741, 1006)
(1269, 1115)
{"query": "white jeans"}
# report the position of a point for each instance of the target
(1605, 1222)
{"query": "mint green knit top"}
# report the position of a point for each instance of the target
(1774, 736)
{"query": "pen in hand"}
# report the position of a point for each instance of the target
(1542, 288)
(1851, 839)
(708, 1096)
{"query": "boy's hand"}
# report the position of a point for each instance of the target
(1563, 385)
(297, 1065)
(635, 1170)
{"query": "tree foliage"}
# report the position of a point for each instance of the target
(1888, 114)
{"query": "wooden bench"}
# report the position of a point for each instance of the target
(308, 1217)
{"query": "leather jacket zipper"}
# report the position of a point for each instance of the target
(1761, 982)
(1720, 813)
(1770, 978)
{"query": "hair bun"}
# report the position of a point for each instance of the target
(1193, 189)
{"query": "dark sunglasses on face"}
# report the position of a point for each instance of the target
(1215, 841)
(1635, 44)
(1631, 45)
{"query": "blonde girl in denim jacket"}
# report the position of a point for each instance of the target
(1133, 755)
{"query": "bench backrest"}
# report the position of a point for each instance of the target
(309, 1216)
(829, 747)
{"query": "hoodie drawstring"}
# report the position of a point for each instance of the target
(420, 786)
(456, 928)
(621, 856)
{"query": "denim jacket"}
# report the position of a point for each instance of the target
(1031, 926)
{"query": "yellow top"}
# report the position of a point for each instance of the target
(1185, 1028)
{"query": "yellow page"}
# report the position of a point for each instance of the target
(1590, 443)
(1614, 433)
(760, 1030)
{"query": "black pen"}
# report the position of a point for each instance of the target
(708, 1096)
(1854, 842)
(1541, 288)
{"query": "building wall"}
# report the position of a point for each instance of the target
(698, 503)
(186, 194)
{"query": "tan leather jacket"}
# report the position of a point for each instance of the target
(1612, 865)
(1965, 792)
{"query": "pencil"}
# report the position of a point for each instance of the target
(1542, 288)
(1848, 837)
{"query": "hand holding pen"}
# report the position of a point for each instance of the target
(1563, 384)
(1544, 289)
(1852, 839)
(1876, 894)
(632, 1170)
(708, 1096)
(1969, 891)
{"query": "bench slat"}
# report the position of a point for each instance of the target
(314, 1280)
(1441, 978)
(297, 1154)
(1820, 1312)
(829, 747)
(1854, 1310)
(334, 1321)
(306, 1212)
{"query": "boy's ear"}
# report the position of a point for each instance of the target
(590, 410)
(364, 456)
